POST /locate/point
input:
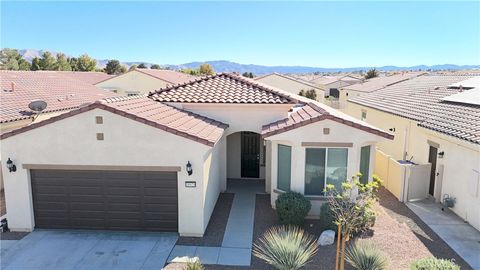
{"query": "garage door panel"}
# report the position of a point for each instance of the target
(128, 191)
(88, 206)
(160, 192)
(105, 200)
(86, 190)
(86, 198)
(79, 214)
(158, 183)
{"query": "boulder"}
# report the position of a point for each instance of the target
(326, 238)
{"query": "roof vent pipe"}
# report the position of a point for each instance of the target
(13, 86)
(461, 88)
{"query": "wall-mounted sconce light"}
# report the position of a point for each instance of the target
(441, 154)
(392, 129)
(189, 168)
(11, 167)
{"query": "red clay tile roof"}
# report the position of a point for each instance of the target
(223, 88)
(61, 92)
(420, 99)
(87, 77)
(314, 112)
(376, 83)
(170, 76)
(142, 109)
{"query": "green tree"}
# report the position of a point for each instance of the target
(62, 63)
(142, 65)
(248, 74)
(47, 61)
(155, 66)
(311, 94)
(132, 67)
(86, 63)
(372, 73)
(206, 69)
(36, 64)
(10, 59)
(73, 62)
(114, 67)
(190, 71)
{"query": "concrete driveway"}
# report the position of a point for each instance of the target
(68, 249)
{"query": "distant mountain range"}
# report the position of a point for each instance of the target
(227, 66)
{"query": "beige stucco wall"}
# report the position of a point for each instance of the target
(456, 169)
(339, 133)
(132, 82)
(72, 141)
(288, 85)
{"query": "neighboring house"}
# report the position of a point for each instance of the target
(290, 84)
(159, 162)
(63, 91)
(436, 120)
(332, 84)
(142, 81)
(87, 77)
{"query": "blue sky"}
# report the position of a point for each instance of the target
(322, 34)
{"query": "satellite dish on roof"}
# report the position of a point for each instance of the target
(37, 105)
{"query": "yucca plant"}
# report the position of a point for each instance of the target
(194, 265)
(365, 256)
(285, 247)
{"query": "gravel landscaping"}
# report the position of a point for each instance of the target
(398, 232)
(216, 226)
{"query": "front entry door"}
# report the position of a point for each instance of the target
(432, 159)
(250, 155)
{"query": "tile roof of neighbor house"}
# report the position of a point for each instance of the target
(61, 92)
(376, 83)
(324, 80)
(87, 77)
(314, 112)
(223, 88)
(171, 76)
(156, 114)
(421, 99)
(298, 80)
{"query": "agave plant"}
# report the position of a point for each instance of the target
(285, 247)
(194, 265)
(365, 256)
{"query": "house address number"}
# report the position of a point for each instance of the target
(190, 184)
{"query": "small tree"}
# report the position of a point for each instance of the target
(47, 61)
(132, 67)
(86, 63)
(206, 69)
(141, 65)
(248, 75)
(311, 94)
(155, 66)
(114, 67)
(372, 73)
(350, 209)
(62, 63)
(35, 64)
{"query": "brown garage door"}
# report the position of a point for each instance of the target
(105, 200)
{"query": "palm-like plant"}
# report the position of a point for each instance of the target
(365, 256)
(285, 247)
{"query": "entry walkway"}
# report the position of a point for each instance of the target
(460, 236)
(236, 247)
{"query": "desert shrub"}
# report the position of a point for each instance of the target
(194, 265)
(285, 247)
(365, 256)
(432, 263)
(327, 220)
(292, 208)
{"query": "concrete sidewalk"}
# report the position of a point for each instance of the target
(460, 236)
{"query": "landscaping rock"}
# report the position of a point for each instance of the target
(326, 238)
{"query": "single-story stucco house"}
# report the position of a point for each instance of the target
(159, 162)
(143, 80)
